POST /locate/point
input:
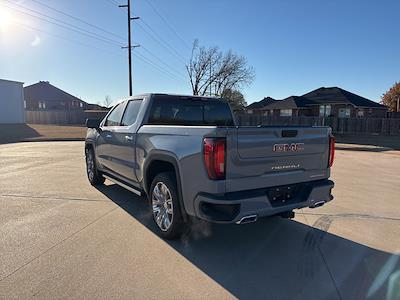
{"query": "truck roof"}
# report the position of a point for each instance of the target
(169, 94)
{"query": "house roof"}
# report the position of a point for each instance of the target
(335, 95)
(44, 91)
(13, 81)
(323, 95)
(291, 102)
(260, 104)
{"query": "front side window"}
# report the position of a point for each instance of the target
(286, 113)
(114, 118)
(131, 112)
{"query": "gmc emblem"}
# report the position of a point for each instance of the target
(294, 147)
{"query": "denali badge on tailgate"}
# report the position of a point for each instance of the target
(294, 147)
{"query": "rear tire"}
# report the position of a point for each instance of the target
(94, 176)
(165, 206)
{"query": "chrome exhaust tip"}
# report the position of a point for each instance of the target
(247, 219)
(318, 204)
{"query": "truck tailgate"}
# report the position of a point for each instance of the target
(260, 157)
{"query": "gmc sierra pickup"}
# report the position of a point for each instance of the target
(188, 157)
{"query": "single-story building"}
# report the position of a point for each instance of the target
(11, 102)
(45, 96)
(288, 107)
(322, 102)
(257, 106)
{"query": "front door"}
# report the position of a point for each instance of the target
(123, 141)
(105, 140)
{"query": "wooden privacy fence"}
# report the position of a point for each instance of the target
(379, 126)
(62, 117)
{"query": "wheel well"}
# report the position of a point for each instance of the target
(156, 167)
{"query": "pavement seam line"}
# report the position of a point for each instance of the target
(58, 243)
(52, 198)
(360, 216)
(323, 258)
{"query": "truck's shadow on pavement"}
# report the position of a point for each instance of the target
(278, 259)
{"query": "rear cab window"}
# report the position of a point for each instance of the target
(131, 112)
(189, 111)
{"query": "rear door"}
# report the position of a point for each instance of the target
(273, 156)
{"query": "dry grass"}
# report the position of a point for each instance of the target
(10, 133)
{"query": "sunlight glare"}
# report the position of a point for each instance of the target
(5, 18)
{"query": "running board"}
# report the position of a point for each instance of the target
(129, 188)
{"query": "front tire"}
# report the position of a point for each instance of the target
(94, 176)
(165, 206)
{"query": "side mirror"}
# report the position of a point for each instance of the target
(93, 123)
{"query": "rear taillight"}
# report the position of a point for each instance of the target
(214, 157)
(331, 151)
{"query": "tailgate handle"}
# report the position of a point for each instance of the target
(289, 133)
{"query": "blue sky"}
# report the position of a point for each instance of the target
(294, 46)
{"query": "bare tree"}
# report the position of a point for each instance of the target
(235, 99)
(107, 101)
(211, 71)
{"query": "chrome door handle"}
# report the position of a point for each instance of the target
(128, 138)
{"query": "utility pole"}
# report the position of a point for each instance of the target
(128, 6)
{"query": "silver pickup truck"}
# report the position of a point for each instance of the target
(188, 157)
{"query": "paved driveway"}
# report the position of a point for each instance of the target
(62, 238)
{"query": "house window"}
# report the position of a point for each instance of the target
(80, 104)
(360, 113)
(42, 105)
(344, 112)
(324, 110)
(285, 112)
(250, 111)
(25, 104)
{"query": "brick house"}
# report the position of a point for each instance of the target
(44, 96)
(332, 101)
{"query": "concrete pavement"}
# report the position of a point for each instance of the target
(61, 238)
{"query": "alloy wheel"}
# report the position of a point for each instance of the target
(162, 206)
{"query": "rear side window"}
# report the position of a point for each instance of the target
(131, 112)
(114, 118)
(189, 111)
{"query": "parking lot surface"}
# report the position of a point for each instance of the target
(62, 238)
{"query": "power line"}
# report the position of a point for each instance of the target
(71, 26)
(67, 39)
(140, 57)
(113, 2)
(93, 35)
(78, 19)
(154, 35)
(161, 61)
(158, 67)
(168, 23)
